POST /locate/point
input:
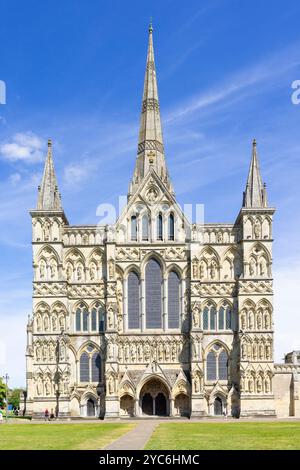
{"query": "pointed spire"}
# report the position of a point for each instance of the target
(150, 144)
(256, 194)
(49, 197)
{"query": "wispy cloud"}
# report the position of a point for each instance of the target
(26, 147)
(268, 72)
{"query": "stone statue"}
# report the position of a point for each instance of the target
(92, 272)
(42, 270)
(202, 270)
(262, 267)
(257, 229)
(69, 272)
(259, 385)
(79, 273)
(39, 386)
(195, 270)
(46, 323)
(38, 323)
(111, 385)
(53, 269)
(47, 386)
(213, 268)
(54, 323)
(252, 267)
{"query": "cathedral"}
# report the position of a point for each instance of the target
(155, 315)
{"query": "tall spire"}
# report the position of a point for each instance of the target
(255, 195)
(150, 144)
(49, 197)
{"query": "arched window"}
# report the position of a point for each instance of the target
(171, 226)
(97, 318)
(133, 296)
(133, 228)
(222, 365)
(145, 228)
(96, 367)
(90, 365)
(78, 319)
(153, 294)
(173, 300)
(94, 319)
(221, 318)
(205, 318)
(217, 363)
(213, 315)
(211, 366)
(101, 318)
(159, 227)
(84, 367)
(228, 318)
(85, 319)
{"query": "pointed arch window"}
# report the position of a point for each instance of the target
(221, 319)
(211, 366)
(95, 367)
(173, 300)
(171, 227)
(217, 363)
(84, 368)
(217, 320)
(213, 317)
(90, 365)
(85, 318)
(153, 278)
(134, 228)
(145, 228)
(88, 321)
(133, 296)
(159, 227)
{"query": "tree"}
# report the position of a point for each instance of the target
(2, 393)
(14, 397)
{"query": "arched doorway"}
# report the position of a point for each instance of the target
(181, 405)
(147, 404)
(154, 398)
(218, 406)
(160, 405)
(90, 407)
(127, 406)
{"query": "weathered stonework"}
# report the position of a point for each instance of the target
(212, 353)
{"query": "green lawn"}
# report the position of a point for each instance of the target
(60, 436)
(235, 435)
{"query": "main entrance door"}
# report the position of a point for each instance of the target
(147, 404)
(154, 399)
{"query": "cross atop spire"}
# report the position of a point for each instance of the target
(150, 145)
(49, 197)
(255, 195)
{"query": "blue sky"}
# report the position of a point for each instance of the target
(74, 72)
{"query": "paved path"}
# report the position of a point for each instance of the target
(135, 439)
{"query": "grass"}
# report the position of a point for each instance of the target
(225, 436)
(60, 436)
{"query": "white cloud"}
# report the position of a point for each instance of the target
(75, 174)
(14, 178)
(24, 146)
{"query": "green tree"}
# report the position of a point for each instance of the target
(2, 393)
(14, 397)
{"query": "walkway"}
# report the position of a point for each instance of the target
(135, 439)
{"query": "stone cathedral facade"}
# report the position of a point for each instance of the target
(155, 315)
